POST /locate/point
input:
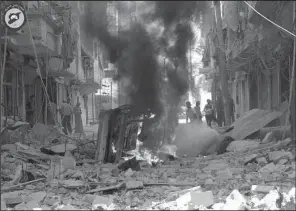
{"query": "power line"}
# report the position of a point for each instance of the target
(270, 20)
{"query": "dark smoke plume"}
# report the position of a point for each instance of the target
(95, 23)
(139, 62)
(176, 17)
(135, 55)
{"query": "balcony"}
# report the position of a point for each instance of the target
(45, 27)
(91, 84)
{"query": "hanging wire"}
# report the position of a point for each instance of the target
(270, 20)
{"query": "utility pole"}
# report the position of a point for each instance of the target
(222, 62)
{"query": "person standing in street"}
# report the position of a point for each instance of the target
(30, 110)
(209, 110)
(197, 111)
(190, 115)
(66, 112)
(78, 120)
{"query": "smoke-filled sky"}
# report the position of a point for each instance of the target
(163, 28)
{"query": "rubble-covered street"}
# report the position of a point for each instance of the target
(260, 176)
(148, 105)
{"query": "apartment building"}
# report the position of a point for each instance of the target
(65, 63)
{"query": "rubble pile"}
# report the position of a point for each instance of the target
(261, 177)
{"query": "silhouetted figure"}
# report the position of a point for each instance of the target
(209, 111)
(190, 113)
(66, 112)
(197, 111)
(78, 120)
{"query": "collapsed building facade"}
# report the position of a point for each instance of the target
(71, 62)
(259, 55)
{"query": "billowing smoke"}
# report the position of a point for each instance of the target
(135, 53)
(176, 17)
(139, 62)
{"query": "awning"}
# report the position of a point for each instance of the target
(89, 87)
(60, 73)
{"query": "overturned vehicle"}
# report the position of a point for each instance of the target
(119, 129)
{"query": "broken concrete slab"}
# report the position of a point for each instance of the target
(197, 198)
(32, 205)
(202, 198)
(218, 206)
(38, 196)
(10, 201)
(8, 147)
(224, 175)
(134, 184)
(270, 201)
(287, 141)
(261, 161)
(261, 188)
(269, 168)
(242, 145)
(251, 122)
(209, 181)
(250, 158)
(235, 201)
(102, 201)
(283, 161)
(277, 155)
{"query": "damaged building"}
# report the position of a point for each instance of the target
(259, 55)
(70, 64)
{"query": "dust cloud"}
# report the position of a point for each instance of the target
(194, 139)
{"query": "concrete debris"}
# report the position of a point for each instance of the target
(134, 185)
(261, 188)
(277, 155)
(250, 158)
(261, 161)
(102, 201)
(261, 177)
(242, 145)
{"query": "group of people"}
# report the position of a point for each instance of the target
(195, 114)
(66, 112)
